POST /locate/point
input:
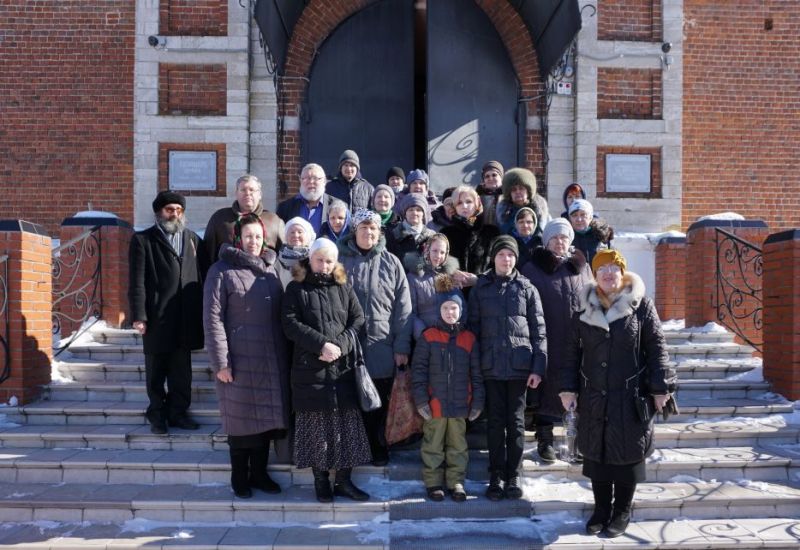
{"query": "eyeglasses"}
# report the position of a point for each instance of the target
(173, 209)
(609, 268)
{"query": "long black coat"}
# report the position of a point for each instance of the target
(316, 311)
(470, 243)
(166, 291)
(559, 282)
(604, 353)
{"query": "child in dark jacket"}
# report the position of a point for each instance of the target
(447, 389)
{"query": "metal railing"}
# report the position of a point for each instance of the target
(739, 294)
(5, 334)
(77, 287)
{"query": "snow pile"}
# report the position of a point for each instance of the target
(653, 238)
(756, 374)
(722, 216)
(708, 328)
(94, 214)
(56, 378)
(84, 332)
(673, 324)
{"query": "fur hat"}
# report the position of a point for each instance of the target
(325, 245)
(557, 226)
(582, 205)
(363, 215)
(608, 256)
(519, 176)
(168, 197)
(384, 187)
(492, 165)
(297, 220)
(418, 174)
(501, 242)
(396, 171)
(349, 156)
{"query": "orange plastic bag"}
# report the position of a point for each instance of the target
(402, 418)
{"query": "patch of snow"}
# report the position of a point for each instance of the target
(771, 397)
(518, 528)
(673, 324)
(708, 328)
(4, 423)
(682, 478)
(756, 374)
(56, 378)
(653, 238)
(183, 534)
(94, 214)
(385, 489)
(84, 331)
(722, 216)
(13, 401)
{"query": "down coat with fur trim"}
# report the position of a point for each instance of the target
(318, 309)
(446, 372)
(609, 354)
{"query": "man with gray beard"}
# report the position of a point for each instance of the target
(167, 265)
(312, 202)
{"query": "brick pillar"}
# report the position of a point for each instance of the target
(782, 312)
(701, 266)
(30, 338)
(114, 236)
(671, 278)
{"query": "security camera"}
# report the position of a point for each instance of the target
(665, 47)
(153, 40)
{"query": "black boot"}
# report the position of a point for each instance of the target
(322, 485)
(240, 459)
(495, 489)
(513, 490)
(259, 477)
(623, 500)
(602, 507)
(343, 487)
(544, 436)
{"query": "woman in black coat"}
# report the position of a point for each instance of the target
(319, 309)
(617, 375)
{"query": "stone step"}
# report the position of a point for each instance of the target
(697, 350)
(715, 368)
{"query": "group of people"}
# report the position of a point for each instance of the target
(493, 305)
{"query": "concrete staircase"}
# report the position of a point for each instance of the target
(82, 470)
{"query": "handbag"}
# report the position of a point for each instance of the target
(402, 418)
(368, 397)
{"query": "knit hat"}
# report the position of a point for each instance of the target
(492, 165)
(608, 256)
(168, 197)
(526, 210)
(325, 245)
(501, 242)
(362, 215)
(418, 174)
(557, 226)
(582, 205)
(384, 187)
(453, 295)
(307, 229)
(349, 156)
(396, 171)
(415, 199)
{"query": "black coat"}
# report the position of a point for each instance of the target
(598, 236)
(316, 311)
(166, 291)
(470, 243)
(355, 194)
(401, 242)
(559, 282)
(604, 353)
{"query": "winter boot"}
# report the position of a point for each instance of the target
(623, 500)
(259, 477)
(544, 436)
(344, 487)
(602, 507)
(322, 485)
(240, 459)
(495, 490)
(458, 493)
(513, 490)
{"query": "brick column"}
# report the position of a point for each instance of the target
(114, 235)
(29, 295)
(701, 270)
(782, 312)
(670, 288)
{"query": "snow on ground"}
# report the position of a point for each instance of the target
(756, 374)
(679, 325)
(653, 238)
(94, 214)
(722, 216)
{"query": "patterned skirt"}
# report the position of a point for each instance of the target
(330, 440)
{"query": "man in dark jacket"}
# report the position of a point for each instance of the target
(167, 264)
(348, 186)
(219, 229)
(312, 202)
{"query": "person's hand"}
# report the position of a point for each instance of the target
(474, 414)
(425, 411)
(534, 380)
(660, 401)
(569, 400)
(225, 375)
(330, 352)
(464, 279)
(140, 327)
(400, 359)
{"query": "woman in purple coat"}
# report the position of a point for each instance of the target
(248, 353)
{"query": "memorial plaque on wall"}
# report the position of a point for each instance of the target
(193, 170)
(628, 173)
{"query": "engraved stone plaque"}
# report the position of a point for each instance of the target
(628, 173)
(193, 170)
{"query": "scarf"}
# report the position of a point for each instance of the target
(290, 255)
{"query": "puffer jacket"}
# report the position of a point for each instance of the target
(559, 282)
(446, 372)
(380, 284)
(506, 315)
(609, 355)
(241, 316)
(316, 310)
(422, 284)
(355, 194)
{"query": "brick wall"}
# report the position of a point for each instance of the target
(636, 20)
(741, 140)
(192, 89)
(193, 17)
(66, 98)
(628, 93)
(670, 290)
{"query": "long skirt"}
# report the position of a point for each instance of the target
(330, 440)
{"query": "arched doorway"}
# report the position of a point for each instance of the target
(433, 88)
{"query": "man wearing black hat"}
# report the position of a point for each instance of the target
(167, 265)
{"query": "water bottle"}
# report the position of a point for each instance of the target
(567, 449)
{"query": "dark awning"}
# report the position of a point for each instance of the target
(276, 20)
(552, 24)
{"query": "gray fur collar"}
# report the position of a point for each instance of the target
(625, 304)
